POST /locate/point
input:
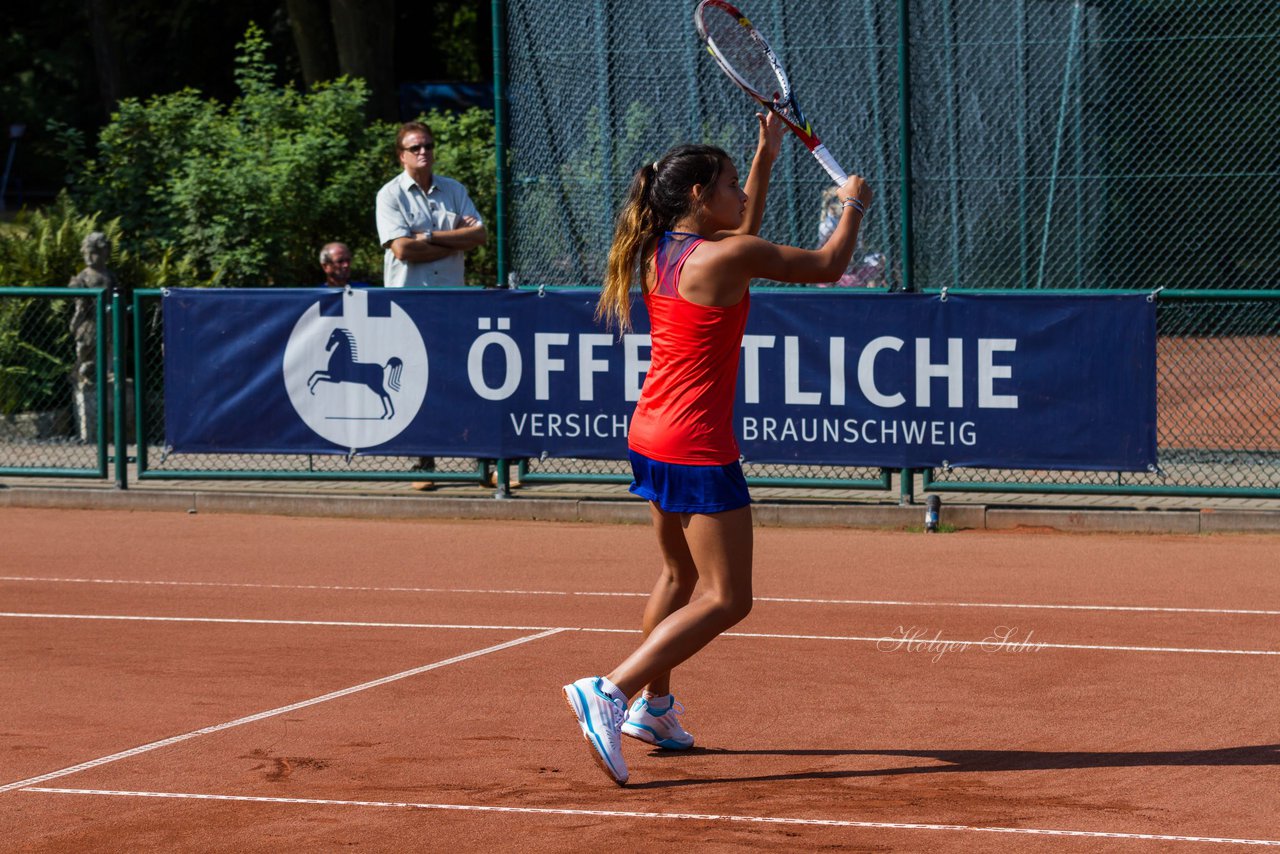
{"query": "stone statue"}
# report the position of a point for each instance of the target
(96, 250)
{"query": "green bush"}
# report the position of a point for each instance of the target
(252, 190)
(198, 193)
(35, 355)
(42, 249)
(465, 152)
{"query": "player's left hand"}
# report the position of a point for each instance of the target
(771, 132)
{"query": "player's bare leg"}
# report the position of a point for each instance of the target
(675, 585)
(721, 547)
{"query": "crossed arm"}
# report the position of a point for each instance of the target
(469, 234)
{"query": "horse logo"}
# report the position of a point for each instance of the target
(356, 397)
(345, 367)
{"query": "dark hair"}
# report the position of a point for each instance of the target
(408, 128)
(658, 198)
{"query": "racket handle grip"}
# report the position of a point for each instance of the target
(829, 163)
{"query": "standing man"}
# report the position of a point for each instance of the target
(425, 221)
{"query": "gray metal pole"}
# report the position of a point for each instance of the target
(500, 136)
(907, 263)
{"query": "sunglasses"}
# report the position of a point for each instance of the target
(421, 147)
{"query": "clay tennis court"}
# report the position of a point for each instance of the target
(251, 683)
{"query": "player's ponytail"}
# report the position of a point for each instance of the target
(658, 198)
(634, 227)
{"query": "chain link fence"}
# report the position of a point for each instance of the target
(52, 382)
(1217, 407)
(560, 469)
(1049, 144)
(155, 460)
(1053, 144)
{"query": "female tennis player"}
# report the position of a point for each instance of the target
(690, 230)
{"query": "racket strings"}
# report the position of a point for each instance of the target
(741, 49)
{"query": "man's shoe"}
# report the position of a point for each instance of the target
(423, 485)
(661, 729)
(600, 716)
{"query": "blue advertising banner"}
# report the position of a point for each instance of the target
(869, 379)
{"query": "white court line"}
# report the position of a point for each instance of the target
(333, 695)
(783, 599)
(923, 644)
(671, 816)
(259, 586)
(264, 622)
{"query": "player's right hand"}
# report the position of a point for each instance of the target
(856, 188)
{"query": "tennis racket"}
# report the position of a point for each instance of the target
(743, 54)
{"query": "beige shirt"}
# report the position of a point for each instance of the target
(403, 209)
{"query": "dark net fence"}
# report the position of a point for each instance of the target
(1049, 145)
(51, 377)
(1054, 144)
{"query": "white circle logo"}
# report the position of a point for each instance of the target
(356, 380)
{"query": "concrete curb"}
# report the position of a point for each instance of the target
(1239, 521)
(1100, 521)
(78, 498)
(636, 512)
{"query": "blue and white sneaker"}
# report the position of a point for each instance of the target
(600, 716)
(661, 729)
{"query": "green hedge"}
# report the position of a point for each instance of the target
(251, 190)
(42, 248)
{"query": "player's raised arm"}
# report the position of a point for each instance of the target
(759, 259)
(768, 145)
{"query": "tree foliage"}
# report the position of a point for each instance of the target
(43, 248)
(252, 189)
(465, 152)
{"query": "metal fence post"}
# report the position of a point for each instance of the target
(907, 262)
(139, 387)
(100, 377)
(907, 487)
(500, 136)
(502, 479)
(118, 390)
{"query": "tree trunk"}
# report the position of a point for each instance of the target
(106, 55)
(365, 36)
(313, 36)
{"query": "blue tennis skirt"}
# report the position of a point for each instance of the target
(689, 489)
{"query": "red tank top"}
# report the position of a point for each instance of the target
(685, 412)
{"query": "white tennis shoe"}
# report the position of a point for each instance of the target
(600, 716)
(661, 729)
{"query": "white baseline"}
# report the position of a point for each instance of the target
(670, 816)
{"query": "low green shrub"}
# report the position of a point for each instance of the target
(251, 190)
